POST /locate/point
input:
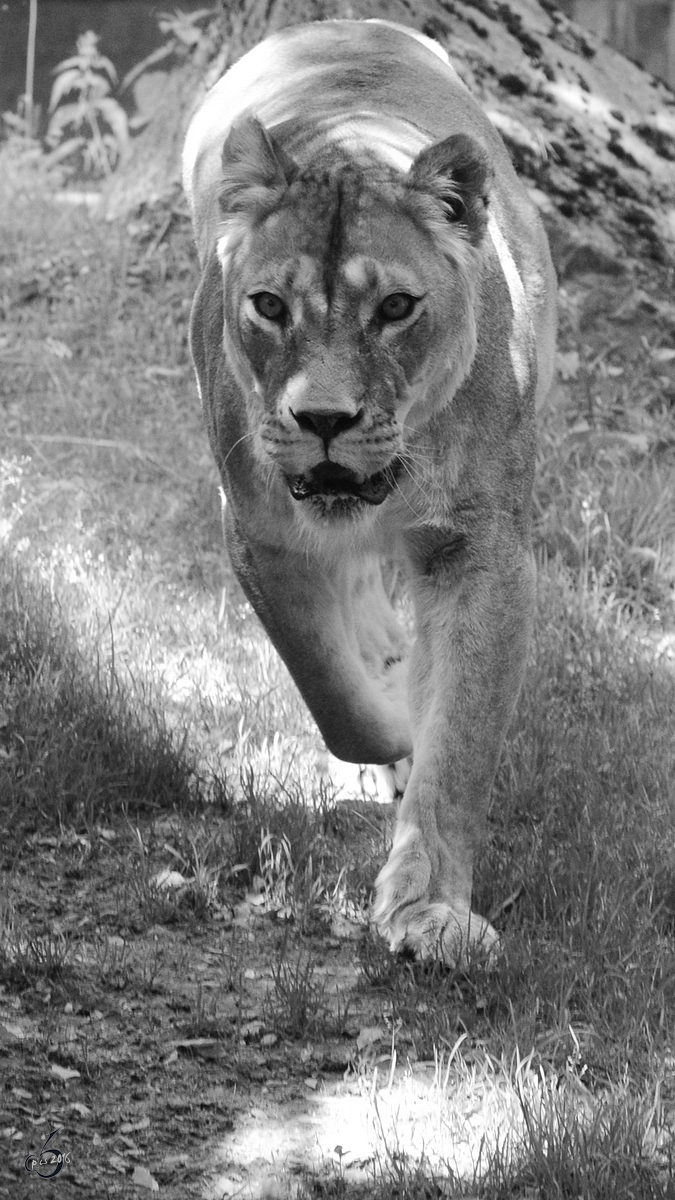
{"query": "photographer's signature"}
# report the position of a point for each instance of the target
(48, 1162)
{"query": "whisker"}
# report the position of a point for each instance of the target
(409, 467)
(425, 464)
(418, 447)
(402, 494)
(415, 514)
(237, 443)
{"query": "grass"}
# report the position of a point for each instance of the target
(143, 713)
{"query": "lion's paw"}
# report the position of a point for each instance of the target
(406, 917)
(439, 931)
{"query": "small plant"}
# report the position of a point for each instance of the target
(94, 125)
(296, 1005)
(118, 966)
(184, 26)
(183, 36)
(277, 873)
(112, 956)
(203, 858)
(30, 956)
(205, 1020)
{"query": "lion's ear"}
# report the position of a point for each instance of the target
(255, 168)
(457, 173)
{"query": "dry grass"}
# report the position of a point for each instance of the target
(136, 683)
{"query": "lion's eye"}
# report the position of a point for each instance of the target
(268, 305)
(397, 307)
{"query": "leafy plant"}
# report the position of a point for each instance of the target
(183, 35)
(94, 126)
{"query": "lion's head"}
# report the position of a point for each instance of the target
(349, 304)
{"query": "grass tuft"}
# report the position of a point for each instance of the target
(76, 744)
(137, 688)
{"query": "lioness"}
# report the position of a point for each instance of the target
(374, 321)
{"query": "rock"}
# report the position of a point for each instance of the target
(592, 133)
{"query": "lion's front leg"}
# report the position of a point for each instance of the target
(335, 629)
(465, 677)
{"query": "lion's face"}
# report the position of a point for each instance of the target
(342, 317)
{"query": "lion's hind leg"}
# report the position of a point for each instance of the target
(395, 776)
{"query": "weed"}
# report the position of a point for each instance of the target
(112, 956)
(182, 35)
(205, 1020)
(202, 854)
(30, 956)
(277, 873)
(99, 128)
(231, 959)
(560, 1087)
(296, 1005)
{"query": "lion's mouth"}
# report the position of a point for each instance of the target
(329, 479)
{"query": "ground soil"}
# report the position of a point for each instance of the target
(155, 1050)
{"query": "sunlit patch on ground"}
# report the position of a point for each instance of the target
(193, 941)
(454, 1121)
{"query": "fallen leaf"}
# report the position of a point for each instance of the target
(168, 880)
(251, 1029)
(132, 1126)
(58, 348)
(65, 1073)
(228, 1187)
(163, 372)
(368, 1036)
(14, 1030)
(80, 1108)
(178, 1160)
(568, 364)
(209, 1048)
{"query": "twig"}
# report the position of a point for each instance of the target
(159, 238)
(30, 66)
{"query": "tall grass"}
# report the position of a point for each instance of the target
(134, 679)
(76, 744)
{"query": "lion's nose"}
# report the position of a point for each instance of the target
(326, 423)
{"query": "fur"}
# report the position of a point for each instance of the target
(373, 326)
